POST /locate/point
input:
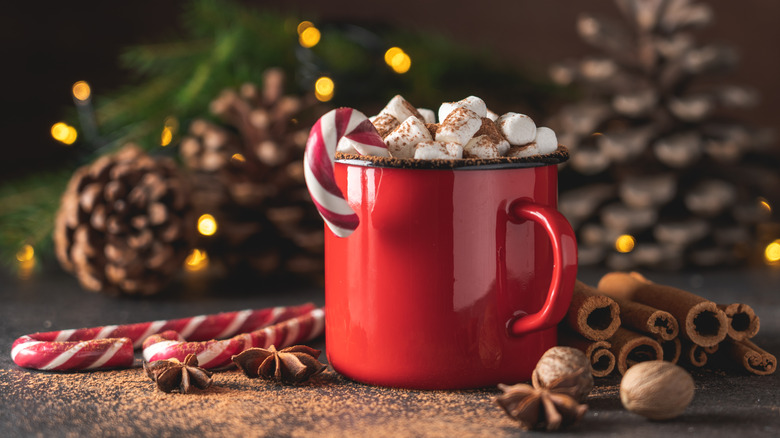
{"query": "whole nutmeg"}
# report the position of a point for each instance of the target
(656, 390)
(558, 362)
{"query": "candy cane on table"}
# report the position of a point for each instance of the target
(112, 346)
(337, 124)
(214, 353)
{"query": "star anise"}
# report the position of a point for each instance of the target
(289, 365)
(547, 408)
(171, 374)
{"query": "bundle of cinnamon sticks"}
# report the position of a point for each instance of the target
(628, 319)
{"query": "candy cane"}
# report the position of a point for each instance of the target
(214, 353)
(330, 129)
(112, 346)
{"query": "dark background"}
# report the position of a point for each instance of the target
(49, 46)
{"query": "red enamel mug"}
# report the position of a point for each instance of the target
(455, 278)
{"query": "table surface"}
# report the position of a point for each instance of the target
(125, 402)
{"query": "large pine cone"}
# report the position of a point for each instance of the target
(248, 173)
(121, 226)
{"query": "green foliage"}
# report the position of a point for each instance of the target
(27, 209)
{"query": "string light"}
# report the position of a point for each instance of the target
(81, 91)
(26, 258)
(764, 205)
(303, 25)
(625, 243)
(170, 127)
(308, 35)
(197, 260)
(398, 60)
(26, 253)
(323, 89)
(64, 133)
(239, 158)
(207, 225)
(772, 252)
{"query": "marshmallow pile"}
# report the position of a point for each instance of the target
(465, 129)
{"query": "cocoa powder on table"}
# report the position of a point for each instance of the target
(127, 403)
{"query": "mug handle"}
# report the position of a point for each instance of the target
(564, 246)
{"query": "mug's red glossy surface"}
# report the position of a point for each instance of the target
(454, 278)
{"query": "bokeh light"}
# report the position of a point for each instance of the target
(64, 133)
(166, 137)
(81, 90)
(324, 88)
(197, 260)
(207, 225)
(398, 60)
(625, 243)
(26, 253)
(772, 252)
(26, 258)
(309, 37)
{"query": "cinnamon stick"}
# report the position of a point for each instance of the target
(602, 361)
(750, 356)
(630, 348)
(645, 319)
(742, 320)
(700, 320)
(672, 349)
(697, 355)
(591, 314)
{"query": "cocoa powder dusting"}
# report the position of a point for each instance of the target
(557, 157)
(127, 403)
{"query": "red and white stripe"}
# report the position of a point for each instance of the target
(214, 353)
(325, 135)
(112, 346)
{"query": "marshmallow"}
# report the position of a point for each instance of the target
(546, 140)
(491, 115)
(399, 108)
(436, 150)
(545, 143)
(384, 123)
(459, 126)
(518, 129)
(428, 116)
(481, 147)
(472, 103)
(522, 151)
(490, 129)
(445, 109)
(403, 139)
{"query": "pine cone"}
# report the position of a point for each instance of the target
(248, 174)
(121, 224)
(652, 156)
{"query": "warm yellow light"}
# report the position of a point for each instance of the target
(59, 131)
(401, 63)
(64, 133)
(207, 225)
(303, 25)
(25, 254)
(625, 243)
(309, 37)
(772, 252)
(323, 89)
(166, 137)
(239, 158)
(764, 205)
(390, 54)
(81, 90)
(197, 260)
